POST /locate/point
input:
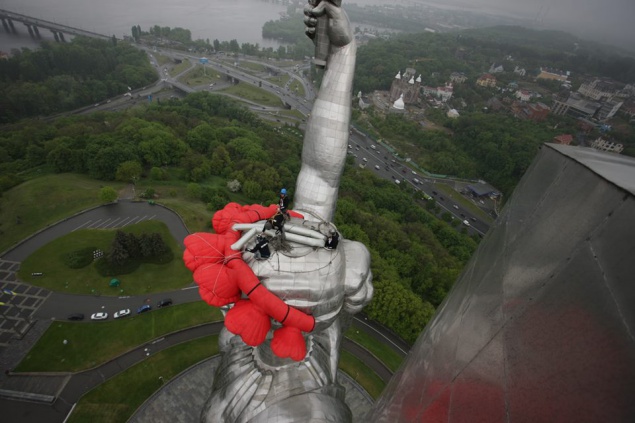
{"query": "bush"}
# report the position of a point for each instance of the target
(79, 258)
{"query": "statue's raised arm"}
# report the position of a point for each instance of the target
(288, 306)
(326, 139)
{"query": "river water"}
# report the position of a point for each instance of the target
(214, 19)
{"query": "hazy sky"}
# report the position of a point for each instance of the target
(610, 21)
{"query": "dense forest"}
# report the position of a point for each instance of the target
(63, 76)
(205, 138)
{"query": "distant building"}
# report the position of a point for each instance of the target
(553, 74)
(452, 114)
(458, 77)
(564, 139)
(482, 190)
(520, 71)
(530, 111)
(445, 93)
(523, 95)
(486, 80)
(599, 89)
(608, 109)
(609, 146)
(398, 106)
(406, 87)
(575, 105)
(496, 68)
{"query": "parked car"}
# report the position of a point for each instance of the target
(364, 159)
(75, 316)
(144, 308)
(164, 303)
(99, 316)
(122, 313)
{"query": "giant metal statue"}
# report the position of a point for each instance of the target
(287, 287)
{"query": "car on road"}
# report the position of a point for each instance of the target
(372, 146)
(364, 159)
(434, 192)
(122, 313)
(414, 173)
(75, 316)
(144, 308)
(473, 219)
(99, 316)
(455, 206)
(466, 223)
(164, 302)
(377, 167)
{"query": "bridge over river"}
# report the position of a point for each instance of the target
(34, 24)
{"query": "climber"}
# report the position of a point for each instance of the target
(332, 240)
(261, 249)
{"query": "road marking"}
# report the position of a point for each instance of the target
(81, 226)
(113, 223)
(104, 223)
(96, 222)
(132, 220)
(189, 287)
(121, 225)
(384, 336)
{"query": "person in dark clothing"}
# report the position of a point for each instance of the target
(276, 222)
(332, 240)
(261, 249)
(283, 203)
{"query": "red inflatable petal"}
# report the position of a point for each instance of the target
(224, 219)
(216, 279)
(212, 299)
(248, 321)
(288, 342)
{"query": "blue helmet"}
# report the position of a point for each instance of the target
(283, 191)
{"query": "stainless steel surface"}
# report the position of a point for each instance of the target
(540, 327)
(251, 383)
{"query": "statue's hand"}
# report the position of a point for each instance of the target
(339, 30)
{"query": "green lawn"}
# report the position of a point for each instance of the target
(119, 397)
(180, 68)
(199, 76)
(146, 279)
(42, 201)
(380, 350)
(279, 80)
(363, 375)
(253, 67)
(91, 344)
(254, 94)
(297, 88)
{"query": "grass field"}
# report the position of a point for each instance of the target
(92, 344)
(280, 80)
(297, 88)
(254, 94)
(199, 76)
(146, 279)
(179, 68)
(119, 397)
(380, 350)
(252, 67)
(42, 201)
(356, 369)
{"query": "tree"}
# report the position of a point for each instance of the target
(128, 171)
(234, 185)
(108, 194)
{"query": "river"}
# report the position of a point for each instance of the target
(214, 19)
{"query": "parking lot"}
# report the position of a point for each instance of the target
(19, 303)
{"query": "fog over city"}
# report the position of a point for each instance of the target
(606, 21)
